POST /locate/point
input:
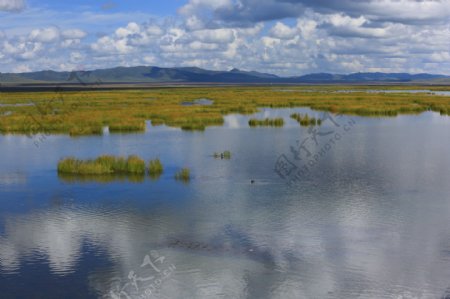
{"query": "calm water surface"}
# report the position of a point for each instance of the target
(370, 220)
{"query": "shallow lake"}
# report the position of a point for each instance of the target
(370, 218)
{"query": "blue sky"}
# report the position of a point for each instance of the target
(159, 8)
(285, 37)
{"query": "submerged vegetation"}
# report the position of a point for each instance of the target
(268, 122)
(305, 120)
(183, 175)
(81, 113)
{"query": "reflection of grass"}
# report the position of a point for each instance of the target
(102, 165)
(102, 178)
(183, 175)
(155, 168)
(193, 127)
(85, 113)
(268, 122)
(305, 120)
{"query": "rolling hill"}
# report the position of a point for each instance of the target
(152, 74)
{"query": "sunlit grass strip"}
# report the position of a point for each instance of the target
(268, 122)
(183, 175)
(102, 165)
(305, 120)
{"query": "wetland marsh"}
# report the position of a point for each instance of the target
(369, 220)
(88, 112)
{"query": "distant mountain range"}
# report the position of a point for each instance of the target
(151, 74)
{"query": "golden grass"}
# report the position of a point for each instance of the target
(86, 113)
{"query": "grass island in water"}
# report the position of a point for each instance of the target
(108, 168)
(102, 165)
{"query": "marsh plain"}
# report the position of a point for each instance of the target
(369, 219)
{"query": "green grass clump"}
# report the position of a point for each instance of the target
(135, 165)
(75, 166)
(183, 175)
(225, 155)
(268, 122)
(305, 120)
(102, 165)
(155, 168)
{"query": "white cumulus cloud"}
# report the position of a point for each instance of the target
(12, 5)
(46, 35)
